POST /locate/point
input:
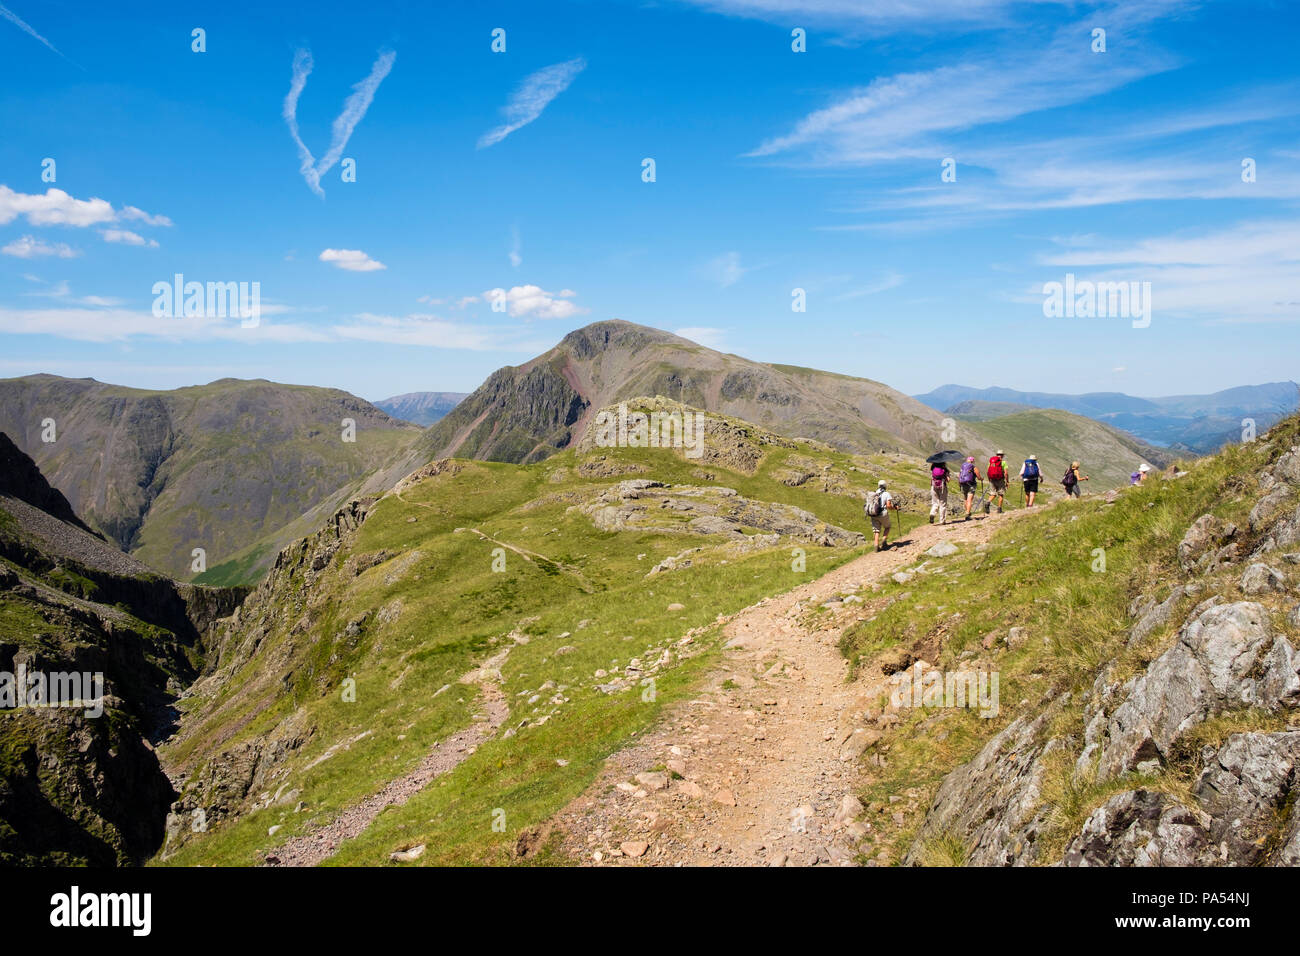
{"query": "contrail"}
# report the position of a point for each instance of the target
(18, 22)
(354, 108)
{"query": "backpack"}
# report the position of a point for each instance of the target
(967, 474)
(875, 508)
(938, 476)
(1031, 469)
(1070, 479)
(995, 468)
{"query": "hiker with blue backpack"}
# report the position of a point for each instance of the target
(939, 492)
(1029, 475)
(967, 476)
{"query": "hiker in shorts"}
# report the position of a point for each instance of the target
(997, 474)
(939, 492)
(966, 479)
(1073, 478)
(878, 505)
(1029, 475)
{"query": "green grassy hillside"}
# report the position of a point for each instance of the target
(410, 603)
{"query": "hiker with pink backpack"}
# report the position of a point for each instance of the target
(939, 492)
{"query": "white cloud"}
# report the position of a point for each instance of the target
(515, 251)
(353, 260)
(536, 302)
(707, 336)
(54, 208)
(354, 108)
(29, 247)
(128, 237)
(533, 96)
(873, 15)
(725, 270)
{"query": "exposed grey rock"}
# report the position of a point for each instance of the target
(1269, 507)
(1206, 533)
(993, 803)
(942, 550)
(1288, 467)
(1243, 787)
(1140, 828)
(1261, 579)
(1154, 616)
(1227, 657)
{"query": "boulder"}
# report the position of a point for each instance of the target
(1206, 533)
(1140, 828)
(1261, 579)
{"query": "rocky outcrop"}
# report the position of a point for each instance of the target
(1227, 657)
(641, 504)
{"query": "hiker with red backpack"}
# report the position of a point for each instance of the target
(966, 479)
(997, 479)
(1029, 475)
(939, 492)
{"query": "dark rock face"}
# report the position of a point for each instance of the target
(20, 478)
(516, 416)
(81, 784)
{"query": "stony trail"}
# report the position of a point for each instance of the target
(766, 752)
(320, 843)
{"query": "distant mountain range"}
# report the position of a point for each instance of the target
(1194, 423)
(237, 468)
(421, 408)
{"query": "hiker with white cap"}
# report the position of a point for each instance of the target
(1029, 475)
(1140, 476)
(878, 504)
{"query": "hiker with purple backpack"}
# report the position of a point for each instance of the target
(966, 479)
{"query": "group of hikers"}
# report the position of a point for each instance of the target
(881, 502)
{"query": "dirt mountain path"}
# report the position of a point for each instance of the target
(319, 843)
(753, 770)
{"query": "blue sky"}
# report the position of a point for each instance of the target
(522, 171)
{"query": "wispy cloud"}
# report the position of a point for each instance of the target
(516, 257)
(121, 325)
(1246, 273)
(725, 270)
(29, 247)
(352, 260)
(707, 336)
(430, 331)
(354, 108)
(533, 96)
(890, 281)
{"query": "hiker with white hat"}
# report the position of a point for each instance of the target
(1029, 475)
(878, 504)
(1139, 476)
